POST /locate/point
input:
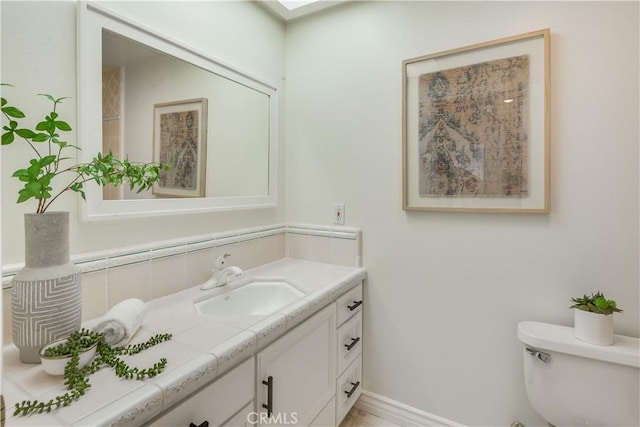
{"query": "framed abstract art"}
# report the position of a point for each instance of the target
(180, 140)
(476, 127)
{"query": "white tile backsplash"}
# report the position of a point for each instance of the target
(198, 265)
(296, 245)
(319, 249)
(129, 281)
(168, 275)
(247, 254)
(154, 270)
(94, 294)
(344, 252)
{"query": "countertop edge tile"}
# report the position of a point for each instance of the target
(236, 349)
(132, 409)
(269, 329)
(190, 376)
(297, 312)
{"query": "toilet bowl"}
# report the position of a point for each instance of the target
(572, 383)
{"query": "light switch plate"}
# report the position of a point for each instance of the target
(338, 214)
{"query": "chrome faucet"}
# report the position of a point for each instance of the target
(221, 275)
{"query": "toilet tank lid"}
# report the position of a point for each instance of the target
(545, 336)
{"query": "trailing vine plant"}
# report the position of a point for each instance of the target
(77, 380)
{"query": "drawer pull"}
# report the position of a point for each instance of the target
(354, 387)
(355, 305)
(204, 424)
(269, 405)
(354, 341)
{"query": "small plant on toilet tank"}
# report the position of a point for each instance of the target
(593, 318)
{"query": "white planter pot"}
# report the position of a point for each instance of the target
(593, 328)
(46, 295)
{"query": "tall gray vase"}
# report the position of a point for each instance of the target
(46, 295)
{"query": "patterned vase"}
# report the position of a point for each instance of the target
(46, 295)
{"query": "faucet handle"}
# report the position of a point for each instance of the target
(220, 261)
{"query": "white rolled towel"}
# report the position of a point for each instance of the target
(122, 321)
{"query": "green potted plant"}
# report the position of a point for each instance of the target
(56, 355)
(593, 318)
(79, 355)
(50, 173)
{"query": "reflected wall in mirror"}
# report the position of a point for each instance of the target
(140, 70)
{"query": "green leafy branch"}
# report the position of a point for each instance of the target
(103, 169)
(77, 381)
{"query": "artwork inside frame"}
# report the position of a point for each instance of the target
(180, 140)
(476, 127)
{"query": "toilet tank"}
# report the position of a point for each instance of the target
(572, 383)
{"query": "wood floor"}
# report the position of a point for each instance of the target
(359, 418)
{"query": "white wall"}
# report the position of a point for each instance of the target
(35, 61)
(446, 290)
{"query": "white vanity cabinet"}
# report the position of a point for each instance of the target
(296, 374)
(228, 401)
(311, 376)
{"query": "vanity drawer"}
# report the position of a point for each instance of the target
(349, 389)
(349, 342)
(349, 304)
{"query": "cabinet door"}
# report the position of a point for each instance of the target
(327, 416)
(244, 418)
(296, 374)
(214, 403)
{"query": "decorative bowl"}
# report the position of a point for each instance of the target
(54, 365)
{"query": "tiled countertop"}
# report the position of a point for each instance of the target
(202, 348)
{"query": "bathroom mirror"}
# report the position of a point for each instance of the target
(138, 89)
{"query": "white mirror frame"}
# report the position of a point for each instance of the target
(92, 19)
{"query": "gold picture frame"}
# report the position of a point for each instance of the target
(475, 134)
(180, 140)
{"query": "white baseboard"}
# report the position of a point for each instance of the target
(399, 413)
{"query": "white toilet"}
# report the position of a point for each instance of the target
(572, 383)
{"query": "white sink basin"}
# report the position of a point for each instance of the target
(258, 298)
